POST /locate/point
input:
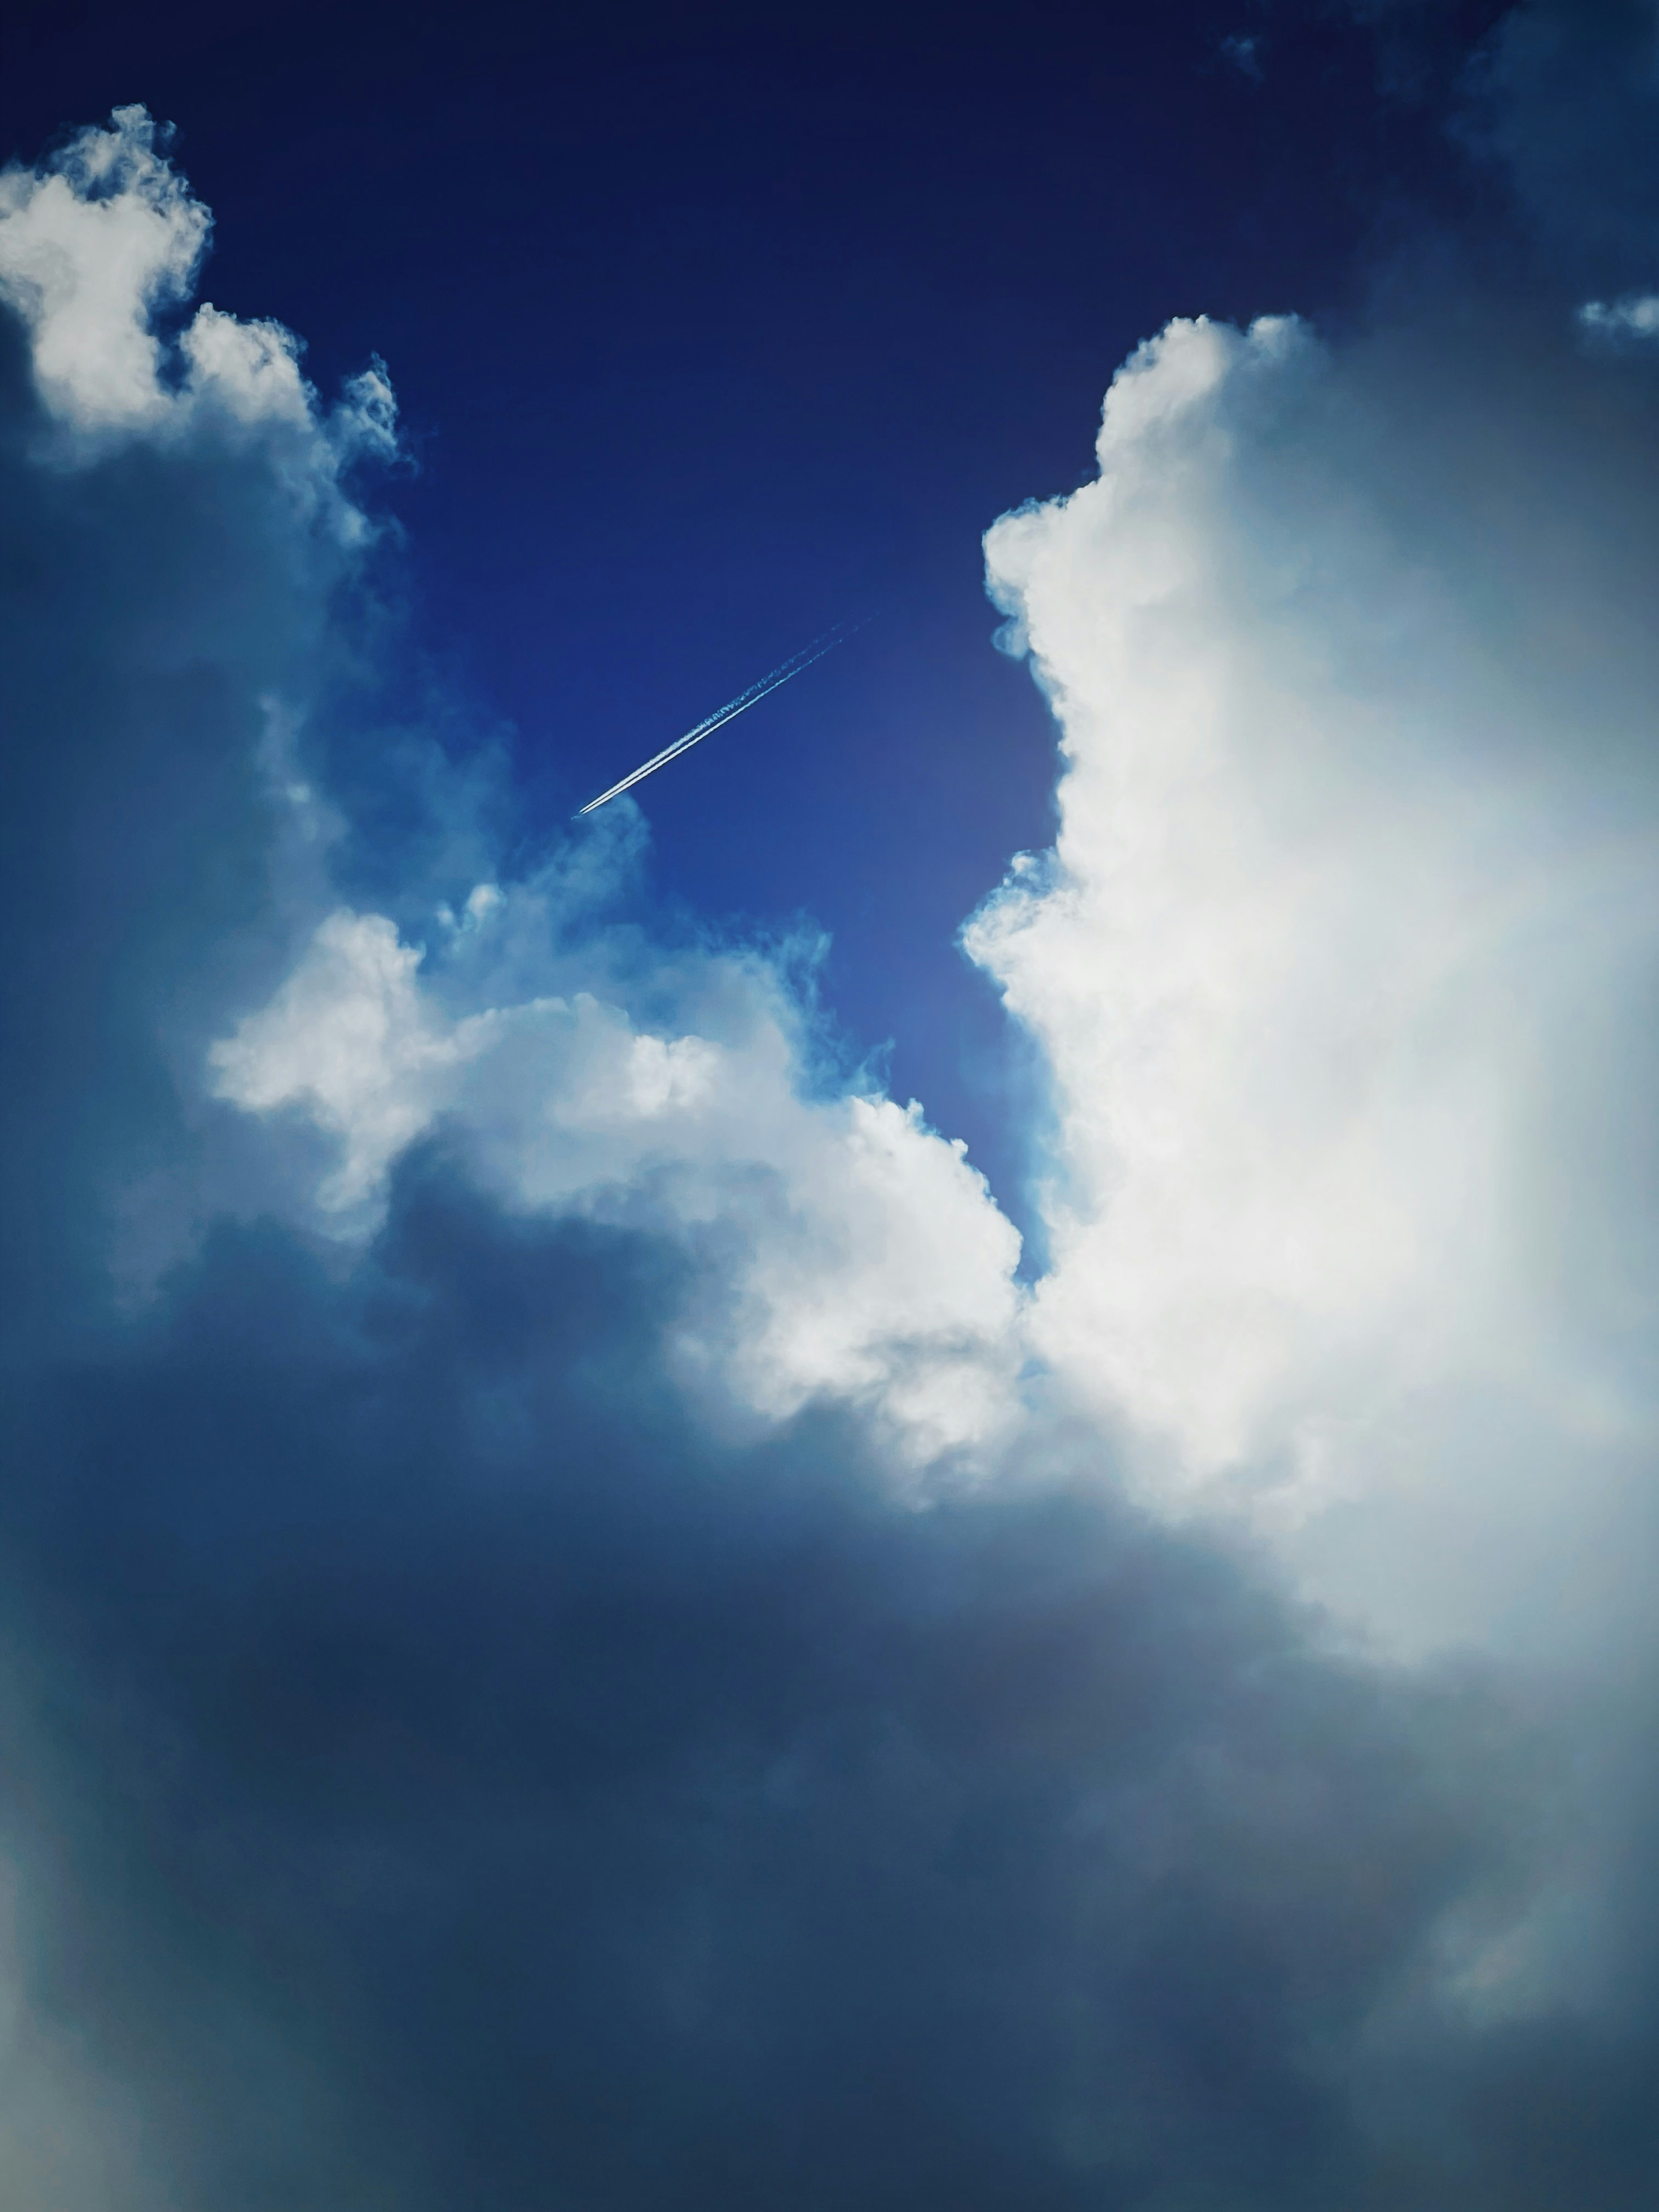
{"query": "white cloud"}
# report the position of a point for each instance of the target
(349, 1038)
(1337, 965)
(91, 246)
(88, 251)
(869, 1259)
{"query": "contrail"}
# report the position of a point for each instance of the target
(740, 705)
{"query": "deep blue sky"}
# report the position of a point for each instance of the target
(713, 326)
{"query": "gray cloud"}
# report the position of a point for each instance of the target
(612, 1817)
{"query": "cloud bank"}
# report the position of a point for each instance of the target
(1342, 960)
(573, 1634)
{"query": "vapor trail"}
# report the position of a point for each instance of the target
(733, 708)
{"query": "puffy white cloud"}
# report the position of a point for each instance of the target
(91, 246)
(1340, 966)
(88, 250)
(868, 1258)
(349, 1038)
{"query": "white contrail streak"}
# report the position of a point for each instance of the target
(731, 709)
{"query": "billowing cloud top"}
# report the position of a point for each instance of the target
(1340, 961)
(94, 247)
(574, 1632)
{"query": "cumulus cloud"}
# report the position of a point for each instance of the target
(92, 247)
(867, 1257)
(503, 1703)
(1341, 964)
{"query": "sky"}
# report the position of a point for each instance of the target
(923, 1470)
